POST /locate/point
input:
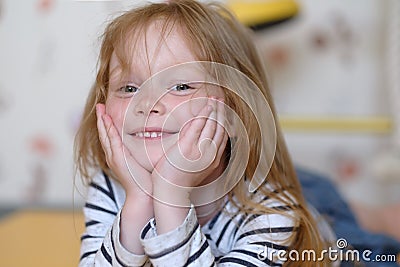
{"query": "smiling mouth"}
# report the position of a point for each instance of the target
(152, 134)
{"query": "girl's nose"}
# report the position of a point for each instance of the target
(148, 104)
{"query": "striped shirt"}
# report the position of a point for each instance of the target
(231, 238)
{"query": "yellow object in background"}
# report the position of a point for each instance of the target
(40, 238)
(378, 125)
(259, 13)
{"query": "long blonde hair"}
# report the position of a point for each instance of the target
(215, 36)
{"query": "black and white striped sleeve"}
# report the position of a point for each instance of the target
(253, 240)
(100, 245)
(241, 239)
(259, 241)
(183, 246)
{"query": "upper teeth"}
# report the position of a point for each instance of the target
(149, 134)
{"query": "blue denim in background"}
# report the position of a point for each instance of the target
(321, 193)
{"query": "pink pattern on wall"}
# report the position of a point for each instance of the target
(45, 6)
(42, 148)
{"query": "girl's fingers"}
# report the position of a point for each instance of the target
(220, 137)
(115, 153)
(109, 136)
(220, 131)
(222, 146)
(211, 123)
(101, 128)
(196, 125)
(113, 135)
(208, 125)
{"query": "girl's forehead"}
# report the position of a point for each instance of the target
(151, 50)
(136, 40)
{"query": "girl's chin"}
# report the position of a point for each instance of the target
(147, 157)
(148, 163)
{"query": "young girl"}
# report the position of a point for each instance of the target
(158, 125)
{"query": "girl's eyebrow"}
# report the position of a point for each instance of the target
(118, 77)
(189, 77)
(122, 82)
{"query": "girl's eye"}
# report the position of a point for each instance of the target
(129, 89)
(184, 89)
(181, 87)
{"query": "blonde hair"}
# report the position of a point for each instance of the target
(215, 36)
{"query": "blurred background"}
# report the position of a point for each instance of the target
(334, 72)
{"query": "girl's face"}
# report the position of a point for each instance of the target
(150, 110)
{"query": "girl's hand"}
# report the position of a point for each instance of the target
(198, 152)
(138, 206)
(115, 151)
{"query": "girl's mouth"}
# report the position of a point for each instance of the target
(152, 134)
(148, 134)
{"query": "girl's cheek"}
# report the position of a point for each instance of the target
(184, 113)
(195, 105)
(116, 110)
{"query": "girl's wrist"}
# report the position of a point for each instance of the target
(169, 217)
(135, 214)
(167, 192)
(134, 207)
(138, 198)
